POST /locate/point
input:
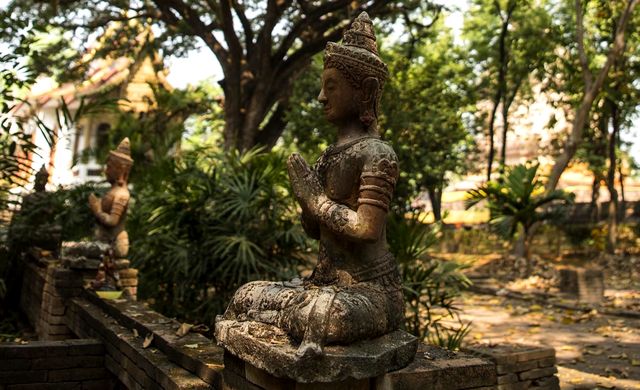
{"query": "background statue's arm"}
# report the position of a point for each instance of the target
(117, 210)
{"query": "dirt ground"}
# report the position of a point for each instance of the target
(593, 351)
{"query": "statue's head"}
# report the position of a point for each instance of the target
(353, 76)
(119, 163)
(42, 177)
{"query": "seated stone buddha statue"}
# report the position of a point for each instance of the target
(354, 292)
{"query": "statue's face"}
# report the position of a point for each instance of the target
(111, 170)
(338, 97)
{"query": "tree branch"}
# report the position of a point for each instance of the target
(308, 18)
(582, 55)
(193, 21)
(590, 92)
(226, 18)
(270, 133)
(246, 25)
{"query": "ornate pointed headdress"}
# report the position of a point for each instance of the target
(123, 152)
(41, 179)
(357, 57)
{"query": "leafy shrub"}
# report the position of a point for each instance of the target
(66, 208)
(517, 204)
(430, 286)
(577, 234)
(210, 222)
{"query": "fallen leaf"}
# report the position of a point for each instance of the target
(135, 333)
(619, 356)
(183, 329)
(147, 340)
(635, 362)
(192, 346)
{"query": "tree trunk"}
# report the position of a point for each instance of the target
(520, 249)
(435, 197)
(505, 128)
(492, 121)
(591, 89)
(502, 81)
(594, 207)
(623, 203)
(612, 220)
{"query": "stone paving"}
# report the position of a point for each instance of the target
(593, 350)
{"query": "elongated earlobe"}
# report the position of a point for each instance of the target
(370, 91)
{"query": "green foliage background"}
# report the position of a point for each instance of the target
(212, 222)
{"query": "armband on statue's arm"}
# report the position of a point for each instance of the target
(117, 210)
(365, 223)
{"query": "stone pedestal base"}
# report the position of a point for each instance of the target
(583, 284)
(432, 368)
(84, 257)
(268, 348)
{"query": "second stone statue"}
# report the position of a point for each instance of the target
(353, 298)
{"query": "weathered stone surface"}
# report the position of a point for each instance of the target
(550, 383)
(436, 368)
(354, 293)
(510, 354)
(129, 273)
(547, 362)
(206, 361)
(122, 263)
(538, 373)
(583, 284)
(508, 378)
(150, 368)
(80, 263)
(515, 386)
(84, 250)
(129, 282)
(270, 349)
(76, 374)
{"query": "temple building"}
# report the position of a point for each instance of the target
(129, 81)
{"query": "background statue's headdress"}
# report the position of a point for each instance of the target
(122, 152)
(41, 179)
(357, 57)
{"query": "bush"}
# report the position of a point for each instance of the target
(210, 222)
(65, 209)
(577, 234)
(430, 285)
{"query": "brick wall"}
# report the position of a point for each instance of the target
(45, 292)
(31, 292)
(521, 366)
(123, 343)
(41, 365)
(127, 357)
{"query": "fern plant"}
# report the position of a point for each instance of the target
(430, 285)
(517, 204)
(216, 221)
